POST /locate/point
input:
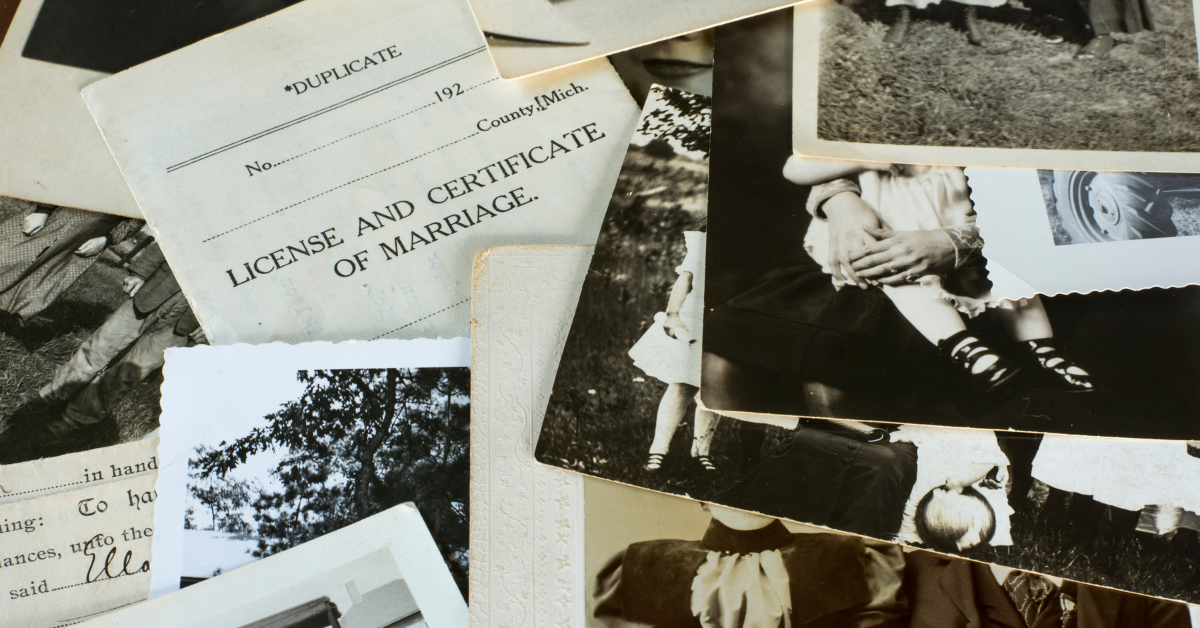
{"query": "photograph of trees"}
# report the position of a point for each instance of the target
(353, 443)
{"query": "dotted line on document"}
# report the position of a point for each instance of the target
(353, 134)
(71, 586)
(420, 319)
(83, 618)
(51, 488)
(481, 84)
(38, 490)
(341, 186)
(280, 163)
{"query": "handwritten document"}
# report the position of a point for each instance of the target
(329, 172)
(75, 534)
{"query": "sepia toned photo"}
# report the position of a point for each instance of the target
(796, 416)
(870, 297)
(1028, 83)
(692, 562)
(88, 305)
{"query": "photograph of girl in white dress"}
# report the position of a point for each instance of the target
(669, 351)
(640, 318)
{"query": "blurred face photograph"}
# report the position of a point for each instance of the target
(683, 62)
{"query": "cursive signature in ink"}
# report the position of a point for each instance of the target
(109, 569)
(4, 490)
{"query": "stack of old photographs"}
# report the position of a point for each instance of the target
(992, 370)
(674, 313)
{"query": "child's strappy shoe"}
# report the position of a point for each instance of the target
(1059, 374)
(706, 463)
(654, 462)
(968, 353)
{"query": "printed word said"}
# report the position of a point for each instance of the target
(33, 589)
(353, 67)
(285, 256)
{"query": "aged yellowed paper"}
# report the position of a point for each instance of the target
(75, 534)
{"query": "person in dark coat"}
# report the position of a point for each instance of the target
(946, 592)
(828, 474)
(749, 571)
(125, 350)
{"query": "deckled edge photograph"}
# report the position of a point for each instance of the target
(305, 439)
(382, 571)
(1057, 231)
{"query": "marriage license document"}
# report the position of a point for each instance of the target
(329, 172)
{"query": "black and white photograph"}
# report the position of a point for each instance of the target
(1024, 83)
(287, 454)
(1090, 207)
(88, 305)
(379, 573)
(525, 37)
(649, 257)
(690, 562)
(1054, 232)
(869, 296)
(780, 344)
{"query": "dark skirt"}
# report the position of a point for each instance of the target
(793, 320)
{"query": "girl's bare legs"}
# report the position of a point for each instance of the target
(1028, 323)
(1027, 320)
(670, 411)
(703, 428)
(942, 325)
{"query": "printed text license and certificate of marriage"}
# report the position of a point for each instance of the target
(330, 171)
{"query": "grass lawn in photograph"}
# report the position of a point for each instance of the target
(1019, 90)
(601, 420)
(30, 352)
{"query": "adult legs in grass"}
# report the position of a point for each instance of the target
(898, 31)
(974, 34)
